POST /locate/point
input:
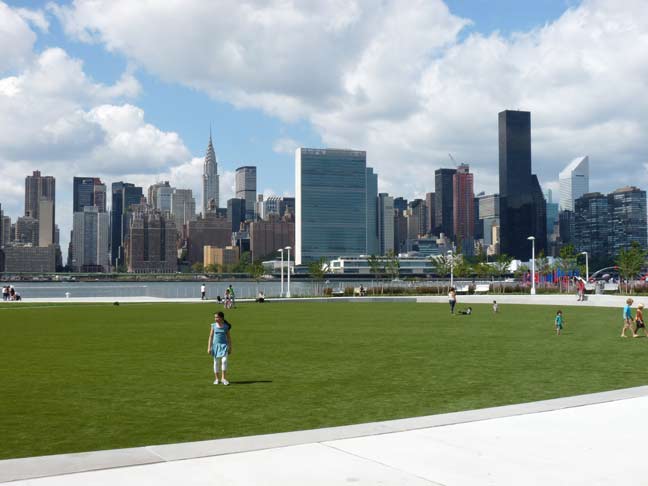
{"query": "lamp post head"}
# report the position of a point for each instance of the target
(288, 248)
(531, 238)
(583, 253)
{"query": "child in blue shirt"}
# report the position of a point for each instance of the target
(627, 319)
(559, 322)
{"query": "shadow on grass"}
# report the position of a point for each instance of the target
(251, 382)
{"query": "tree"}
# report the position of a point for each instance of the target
(317, 271)
(461, 267)
(392, 266)
(567, 262)
(441, 264)
(212, 268)
(502, 264)
(197, 267)
(376, 266)
(256, 271)
(243, 263)
(630, 261)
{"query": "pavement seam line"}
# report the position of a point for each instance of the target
(389, 466)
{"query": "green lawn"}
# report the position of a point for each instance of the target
(80, 378)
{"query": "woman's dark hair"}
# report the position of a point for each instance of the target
(220, 314)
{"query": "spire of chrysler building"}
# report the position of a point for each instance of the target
(210, 177)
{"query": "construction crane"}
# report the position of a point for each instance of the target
(453, 160)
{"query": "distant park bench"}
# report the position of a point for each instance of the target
(462, 289)
(611, 287)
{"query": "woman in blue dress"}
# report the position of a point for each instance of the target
(220, 346)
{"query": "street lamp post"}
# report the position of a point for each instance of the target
(281, 294)
(586, 266)
(533, 287)
(451, 257)
(288, 289)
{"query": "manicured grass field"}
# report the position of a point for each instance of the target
(89, 377)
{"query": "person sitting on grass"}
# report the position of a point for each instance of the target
(627, 318)
(639, 322)
(466, 312)
(220, 346)
(559, 322)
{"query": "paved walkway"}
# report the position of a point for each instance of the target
(586, 440)
(590, 440)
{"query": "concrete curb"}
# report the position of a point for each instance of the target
(56, 465)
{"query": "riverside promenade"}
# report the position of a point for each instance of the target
(590, 439)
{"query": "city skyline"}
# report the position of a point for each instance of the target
(78, 96)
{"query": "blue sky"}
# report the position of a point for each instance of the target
(127, 90)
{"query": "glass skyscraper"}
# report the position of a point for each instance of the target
(330, 204)
(627, 207)
(522, 205)
(443, 207)
(574, 182)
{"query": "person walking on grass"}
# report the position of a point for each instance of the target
(627, 319)
(203, 291)
(452, 299)
(232, 296)
(495, 307)
(228, 299)
(639, 322)
(559, 322)
(220, 346)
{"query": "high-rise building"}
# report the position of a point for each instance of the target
(29, 259)
(489, 215)
(209, 230)
(46, 226)
(88, 191)
(1, 227)
(628, 224)
(5, 222)
(385, 223)
(151, 243)
(124, 195)
(160, 195)
(235, 213)
(443, 206)
(430, 202)
(416, 215)
(266, 237)
(211, 186)
(38, 187)
(463, 204)
(373, 245)
(27, 230)
(331, 204)
(91, 245)
(574, 182)
(522, 205)
(591, 224)
(552, 219)
(246, 188)
(183, 207)
(400, 204)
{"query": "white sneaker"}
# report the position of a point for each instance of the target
(215, 382)
(225, 382)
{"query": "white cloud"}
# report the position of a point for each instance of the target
(57, 119)
(16, 39)
(285, 146)
(395, 78)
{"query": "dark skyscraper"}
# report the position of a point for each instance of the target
(522, 205)
(236, 213)
(88, 191)
(444, 194)
(38, 187)
(123, 195)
